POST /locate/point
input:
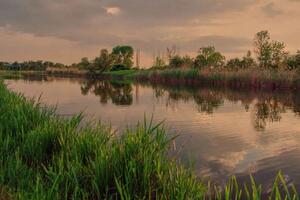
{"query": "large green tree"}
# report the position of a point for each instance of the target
(84, 63)
(270, 54)
(123, 55)
(209, 57)
(105, 61)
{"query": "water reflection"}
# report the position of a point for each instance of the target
(267, 106)
(267, 111)
(119, 93)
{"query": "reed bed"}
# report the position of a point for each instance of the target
(249, 78)
(44, 156)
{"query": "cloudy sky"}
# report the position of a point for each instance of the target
(66, 30)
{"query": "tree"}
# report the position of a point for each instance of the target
(84, 63)
(123, 55)
(269, 53)
(176, 62)
(60, 65)
(244, 63)
(234, 64)
(248, 61)
(104, 61)
(293, 62)
(49, 64)
(188, 62)
(262, 48)
(278, 54)
(181, 62)
(209, 57)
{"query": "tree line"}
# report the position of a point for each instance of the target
(121, 58)
(29, 65)
(270, 54)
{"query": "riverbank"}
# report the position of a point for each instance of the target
(70, 74)
(257, 79)
(244, 79)
(44, 156)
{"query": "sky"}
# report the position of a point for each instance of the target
(67, 30)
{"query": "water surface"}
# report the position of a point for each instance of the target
(225, 132)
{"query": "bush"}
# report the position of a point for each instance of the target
(181, 62)
(293, 62)
(119, 68)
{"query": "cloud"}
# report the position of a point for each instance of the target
(161, 11)
(113, 10)
(148, 25)
(81, 20)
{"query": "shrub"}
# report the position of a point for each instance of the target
(119, 68)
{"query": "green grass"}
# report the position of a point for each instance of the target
(120, 73)
(43, 156)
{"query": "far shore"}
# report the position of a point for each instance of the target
(249, 79)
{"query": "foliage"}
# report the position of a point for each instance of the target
(84, 63)
(119, 68)
(209, 57)
(176, 62)
(104, 61)
(181, 62)
(123, 55)
(244, 63)
(293, 62)
(270, 54)
(159, 63)
(121, 58)
(29, 65)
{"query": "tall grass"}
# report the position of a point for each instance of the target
(248, 78)
(43, 156)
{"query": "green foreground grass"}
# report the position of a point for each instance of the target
(43, 156)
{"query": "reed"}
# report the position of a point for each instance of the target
(248, 78)
(44, 156)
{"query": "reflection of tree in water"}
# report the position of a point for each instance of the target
(267, 110)
(296, 103)
(208, 100)
(158, 92)
(118, 93)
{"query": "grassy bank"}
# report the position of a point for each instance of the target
(250, 78)
(253, 78)
(70, 73)
(43, 156)
(47, 157)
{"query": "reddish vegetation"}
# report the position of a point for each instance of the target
(254, 80)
